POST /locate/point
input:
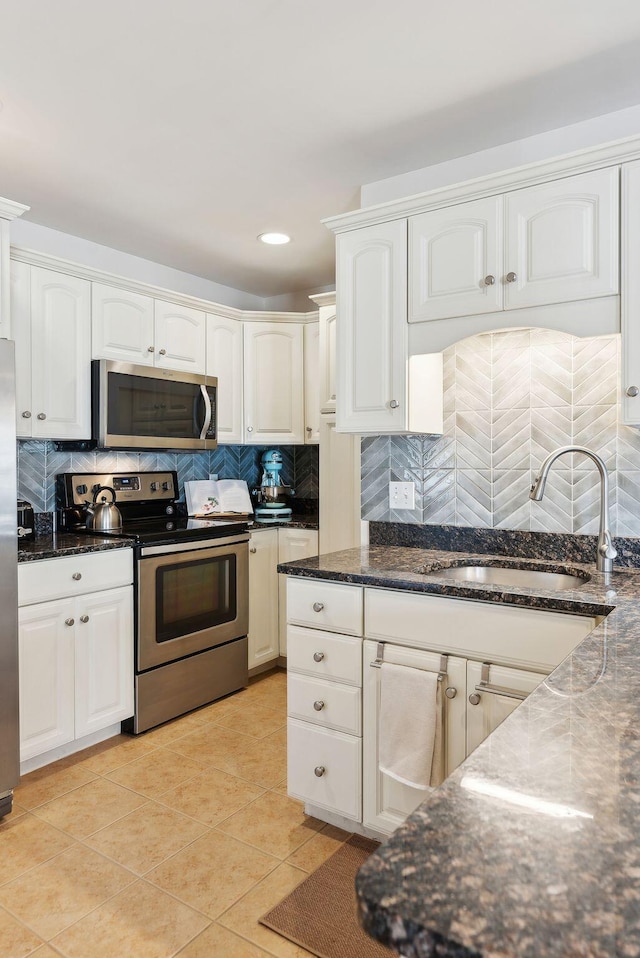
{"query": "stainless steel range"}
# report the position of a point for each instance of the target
(191, 591)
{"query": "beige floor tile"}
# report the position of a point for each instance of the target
(273, 823)
(28, 842)
(316, 851)
(156, 772)
(259, 762)
(90, 807)
(254, 720)
(215, 711)
(40, 787)
(281, 787)
(145, 838)
(16, 941)
(45, 951)
(270, 691)
(279, 737)
(142, 922)
(243, 916)
(174, 730)
(210, 745)
(212, 873)
(218, 941)
(117, 751)
(53, 896)
(211, 796)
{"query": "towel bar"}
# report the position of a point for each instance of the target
(379, 659)
(484, 685)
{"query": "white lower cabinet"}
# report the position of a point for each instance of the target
(324, 768)
(263, 597)
(292, 544)
(486, 709)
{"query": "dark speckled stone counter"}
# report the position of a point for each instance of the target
(532, 846)
(65, 544)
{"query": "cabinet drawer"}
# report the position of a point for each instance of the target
(339, 787)
(46, 579)
(324, 605)
(325, 655)
(324, 703)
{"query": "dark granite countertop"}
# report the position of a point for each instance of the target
(532, 846)
(65, 544)
(295, 522)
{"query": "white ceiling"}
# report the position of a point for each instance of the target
(179, 131)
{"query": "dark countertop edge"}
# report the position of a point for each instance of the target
(296, 522)
(53, 547)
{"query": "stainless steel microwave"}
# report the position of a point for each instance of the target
(141, 407)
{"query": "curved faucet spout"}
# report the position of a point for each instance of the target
(606, 551)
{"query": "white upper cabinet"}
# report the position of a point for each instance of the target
(312, 383)
(225, 361)
(122, 325)
(273, 383)
(327, 335)
(52, 328)
(562, 240)
(630, 283)
(180, 335)
(456, 261)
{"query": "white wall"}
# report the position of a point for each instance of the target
(568, 139)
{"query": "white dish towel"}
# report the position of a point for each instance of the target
(410, 726)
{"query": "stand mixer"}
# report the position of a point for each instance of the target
(273, 495)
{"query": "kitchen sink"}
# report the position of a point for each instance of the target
(497, 573)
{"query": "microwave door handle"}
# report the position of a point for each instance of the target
(207, 411)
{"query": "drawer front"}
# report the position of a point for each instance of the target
(324, 703)
(45, 579)
(324, 605)
(325, 655)
(339, 787)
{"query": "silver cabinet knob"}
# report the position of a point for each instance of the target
(163, 352)
(489, 280)
(69, 621)
(318, 606)
(76, 576)
(309, 429)
(333, 396)
(252, 549)
(319, 771)
(631, 391)
(511, 277)
(151, 349)
(249, 428)
(318, 705)
(474, 699)
(393, 404)
(84, 618)
(26, 414)
(318, 656)
(42, 415)
(451, 692)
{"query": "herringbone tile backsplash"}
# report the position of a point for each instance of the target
(510, 398)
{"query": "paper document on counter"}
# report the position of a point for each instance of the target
(214, 497)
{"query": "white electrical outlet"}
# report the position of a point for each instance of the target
(402, 495)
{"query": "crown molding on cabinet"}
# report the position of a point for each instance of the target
(9, 210)
(531, 174)
(324, 299)
(34, 258)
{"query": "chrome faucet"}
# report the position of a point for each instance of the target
(606, 551)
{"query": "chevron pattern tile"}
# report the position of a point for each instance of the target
(511, 503)
(31, 473)
(554, 513)
(306, 472)
(628, 448)
(438, 452)
(473, 439)
(586, 501)
(449, 379)
(596, 371)
(551, 374)
(474, 503)
(375, 495)
(551, 427)
(473, 374)
(511, 438)
(438, 497)
(511, 379)
(597, 428)
(628, 504)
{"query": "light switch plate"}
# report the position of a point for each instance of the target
(402, 495)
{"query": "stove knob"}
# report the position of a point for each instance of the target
(154, 487)
(170, 526)
(166, 487)
(169, 510)
(81, 490)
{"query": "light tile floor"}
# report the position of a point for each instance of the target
(172, 843)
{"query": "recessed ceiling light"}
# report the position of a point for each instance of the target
(274, 239)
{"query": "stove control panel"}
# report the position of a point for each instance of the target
(78, 489)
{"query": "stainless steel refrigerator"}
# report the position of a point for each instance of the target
(9, 721)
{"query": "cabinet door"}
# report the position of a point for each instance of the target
(327, 331)
(180, 337)
(46, 640)
(60, 355)
(387, 802)
(311, 383)
(339, 488)
(103, 659)
(121, 325)
(630, 294)
(273, 389)
(372, 329)
(455, 258)
(562, 240)
(21, 328)
(224, 360)
(263, 597)
(492, 709)
(292, 544)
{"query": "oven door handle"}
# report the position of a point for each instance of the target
(193, 546)
(207, 411)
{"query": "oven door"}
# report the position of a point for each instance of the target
(191, 597)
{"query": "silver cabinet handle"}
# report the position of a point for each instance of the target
(318, 656)
(249, 428)
(501, 690)
(318, 705)
(42, 415)
(76, 576)
(26, 414)
(393, 404)
(151, 349)
(474, 699)
(511, 277)
(318, 606)
(631, 391)
(319, 771)
(69, 621)
(489, 280)
(163, 352)
(451, 692)
(84, 618)
(252, 549)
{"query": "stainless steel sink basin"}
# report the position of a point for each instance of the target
(557, 580)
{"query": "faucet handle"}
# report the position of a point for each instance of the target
(606, 547)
